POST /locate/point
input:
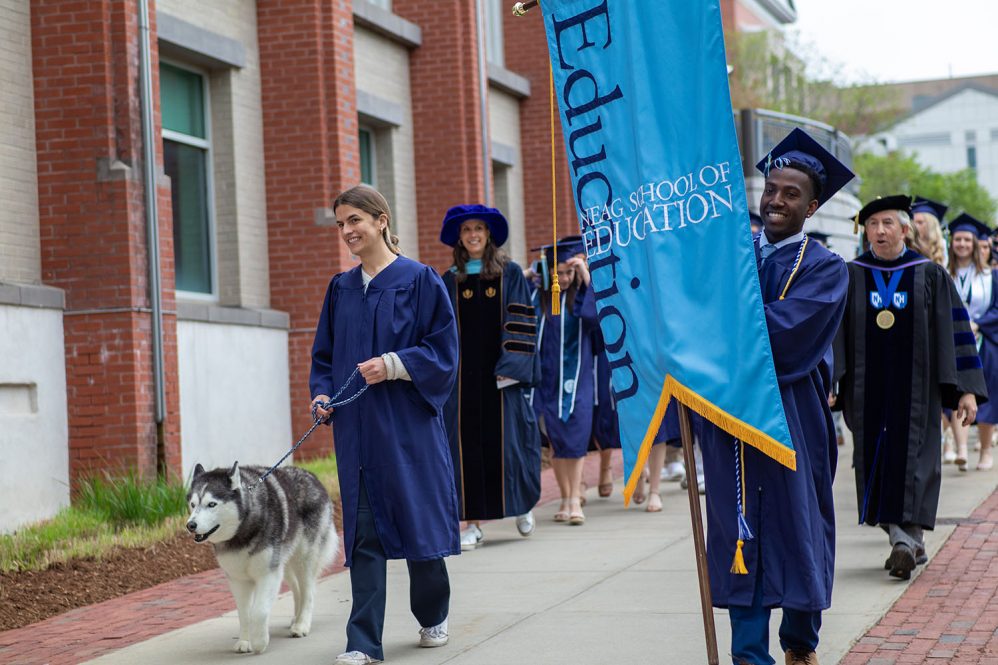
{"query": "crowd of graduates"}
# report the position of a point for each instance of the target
(474, 372)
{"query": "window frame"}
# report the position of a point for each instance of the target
(204, 144)
(372, 143)
(494, 37)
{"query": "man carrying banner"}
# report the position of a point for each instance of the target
(904, 352)
(778, 525)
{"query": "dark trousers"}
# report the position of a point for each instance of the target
(429, 586)
(750, 631)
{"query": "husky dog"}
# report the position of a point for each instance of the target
(262, 533)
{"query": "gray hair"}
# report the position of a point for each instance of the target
(904, 218)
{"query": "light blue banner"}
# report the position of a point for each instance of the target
(642, 90)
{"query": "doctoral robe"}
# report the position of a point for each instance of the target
(790, 513)
(893, 383)
(494, 442)
(564, 398)
(394, 433)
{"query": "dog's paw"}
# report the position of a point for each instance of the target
(300, 629)
(242, 646)
(260, 643)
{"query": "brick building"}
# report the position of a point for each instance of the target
(261, 112)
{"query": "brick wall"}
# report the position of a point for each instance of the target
(93, 240)
(527, 55)
(310, 151)
(447, 116)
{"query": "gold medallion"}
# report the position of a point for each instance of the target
(467, 293)
(490, 292)
(885, 320)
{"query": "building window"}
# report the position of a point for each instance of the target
(494, 51)
(971, 157)
(368, 166)
(187, 159)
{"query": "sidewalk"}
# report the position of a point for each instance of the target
(622, 588)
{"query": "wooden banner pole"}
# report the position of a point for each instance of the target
(699, 546)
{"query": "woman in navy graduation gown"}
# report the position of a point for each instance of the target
(564, 399)
(494, 442)
(391, 320)
(970, 268)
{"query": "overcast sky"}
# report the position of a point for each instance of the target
(902, 40)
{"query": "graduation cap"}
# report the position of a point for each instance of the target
(901, 202)
(971, 225)
(450, 231)
(799, 149)
(568, 247)
(934, 208)
(819, 236)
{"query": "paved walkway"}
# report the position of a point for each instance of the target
(622, 588)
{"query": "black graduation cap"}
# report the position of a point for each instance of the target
(819, 236)
(568, 247)
(799, 149)
(900, 202)
(967, 223)
(934, 208)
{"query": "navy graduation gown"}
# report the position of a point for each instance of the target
(789, 512)
(894, 383)
(395, 432)
(987, 325)
(497, 459)
(565, 396)
(606, 429)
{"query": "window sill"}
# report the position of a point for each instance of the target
(509, 82)
(239, 316)
(387, 24)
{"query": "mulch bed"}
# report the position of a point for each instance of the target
(31, 596)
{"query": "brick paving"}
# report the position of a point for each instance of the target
(949, 614)
(89, 632)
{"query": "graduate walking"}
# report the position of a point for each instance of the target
(565, 398)
(494, 442)
(969, 267)
(906, 350)
(389, 322)
(789, 562)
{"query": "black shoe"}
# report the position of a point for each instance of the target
(921, 558)
(901, 562)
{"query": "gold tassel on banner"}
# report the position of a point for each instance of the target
(555, 286)
(738, 565)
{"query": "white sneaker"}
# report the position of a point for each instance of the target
(435, 636)
(354, 658)
(525, 523)
(471, 538)
(673, 472)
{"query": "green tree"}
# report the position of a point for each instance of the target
(770, 70)
(900, 173)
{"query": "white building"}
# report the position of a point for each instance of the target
(954, 131)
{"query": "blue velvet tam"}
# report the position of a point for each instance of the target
(900, 202)
(971, 225)
(934, 208)
(799, 149)
(450, 231)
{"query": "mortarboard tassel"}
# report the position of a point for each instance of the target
(744, 533)
(555, 293)
(855, 224)
(555, 286)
